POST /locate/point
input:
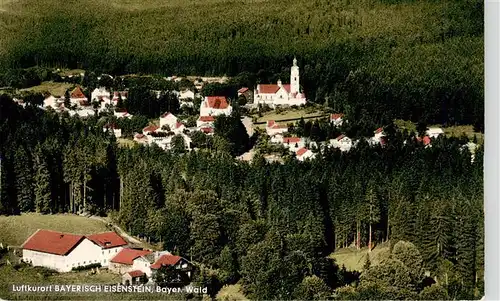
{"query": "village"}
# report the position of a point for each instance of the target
(273, 96)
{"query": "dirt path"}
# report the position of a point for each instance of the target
(120, 231)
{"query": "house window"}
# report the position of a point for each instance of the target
(116, 250)
(102, 252)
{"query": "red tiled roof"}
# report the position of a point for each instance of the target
(178, 125)
(127, 256)
(107, 240)
(340, 137)
(270, 123)
(165, 260)
(426, 140)
(136, 273)
(242, 90)
(268, 89)
(139, 136)
(291, 139)
(301, 151)
(216, 102)
(77, 93)
(379, 130)
(207, 130)
(336, 116)
(206, 118)
(52, 242)
(287, 87)
(150, 128)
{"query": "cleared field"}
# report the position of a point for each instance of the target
(354, 259)
(289, 116)
(16, 229)
(122, 142)
(231, 293)
(66, 72)
(56, 89)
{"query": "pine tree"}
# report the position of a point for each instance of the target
(24, 180)
(42, 183)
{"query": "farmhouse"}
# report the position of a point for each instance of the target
(63, 251)
(247, 93)
(214, 106)
(279, 94)
(168, 119)
(101, 94)
(123, 261)
(51, 101)
(186, 95)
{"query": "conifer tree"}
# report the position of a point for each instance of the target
(41, 181)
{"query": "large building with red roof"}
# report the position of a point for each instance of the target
(281, 94)
(215, 106)
(64, 251)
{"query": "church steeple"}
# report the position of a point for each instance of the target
(294, 77)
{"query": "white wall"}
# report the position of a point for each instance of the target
(142, 265)
(84, 254)
(52, 261)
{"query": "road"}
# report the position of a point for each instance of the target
(247, 122)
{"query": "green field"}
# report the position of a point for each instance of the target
(231, 293)
(354, 259)
(16, 229)
(123, 142)
(56, 89)
(294, 114)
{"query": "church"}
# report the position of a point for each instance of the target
(281, 94)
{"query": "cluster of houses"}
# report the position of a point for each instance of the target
(300, 146)
(65, 252)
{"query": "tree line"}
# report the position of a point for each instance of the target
(269, 225)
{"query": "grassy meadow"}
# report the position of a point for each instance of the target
(15, 229)
(354, 259)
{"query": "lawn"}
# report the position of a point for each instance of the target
(17, 228)
(123, 142)
(289, 116)
(56, 89)
(354, 259)
(66, 72)
(231, 293)
(451, 131)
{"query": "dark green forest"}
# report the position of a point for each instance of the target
(268, 226)
(406, 59)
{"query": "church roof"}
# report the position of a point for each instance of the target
(271, 88)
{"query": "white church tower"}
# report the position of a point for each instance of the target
(294, 78)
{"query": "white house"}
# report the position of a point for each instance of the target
(205, 121)
(279, 94)
(434, 132)
(63, 251)
(185, 95)
(82, 112)
(123, 261)
(78, 98)
(336, 119)
(304, 153)
(110, 243)
(342, 142)
(51, 101)
(101, 94)
(215, 106)
(122, 114)
(293, 143)
(113, 128)
(168, 119)
(377, 137)
(272, 128)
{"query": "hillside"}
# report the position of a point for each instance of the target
(354, 259)
(17, 228)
